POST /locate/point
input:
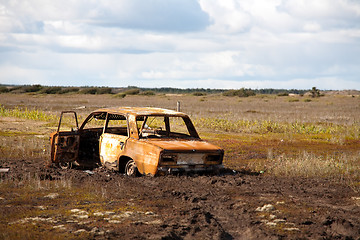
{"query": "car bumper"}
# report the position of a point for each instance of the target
(188, 168)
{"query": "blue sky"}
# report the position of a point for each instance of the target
(181, 43)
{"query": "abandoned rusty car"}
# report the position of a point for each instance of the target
(134, 141)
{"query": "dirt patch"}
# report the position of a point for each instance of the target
(227, 206)
(22, 126)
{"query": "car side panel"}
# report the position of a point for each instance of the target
(111, 148)
(146, 156)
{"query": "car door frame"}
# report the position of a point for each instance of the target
(111, 146)
(65, 144)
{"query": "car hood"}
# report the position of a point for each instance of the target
(184, 145)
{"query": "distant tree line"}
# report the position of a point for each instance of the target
(133, 90)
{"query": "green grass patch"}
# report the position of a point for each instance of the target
(328, 130)
(25, 113)
(15, 133)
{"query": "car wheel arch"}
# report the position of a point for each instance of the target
(122, 163)
(123, 160)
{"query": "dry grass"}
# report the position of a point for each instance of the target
(24, 147)
(343, 167)
(262, 123)
(308, 164)
(343, 110)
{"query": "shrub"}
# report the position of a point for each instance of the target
(4, 90)
(240, 93)
(69, 90)
(315, 92)
(148, 93)
(283, 94)
(103, 90)
(32, 88)
(16, 89)
(199, 94)
(133, 91)
(89, 90)
(120, 95)
(51, 90)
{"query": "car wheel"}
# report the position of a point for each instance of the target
(131, 169)
(65, 165)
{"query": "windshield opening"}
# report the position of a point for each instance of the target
(163, 127)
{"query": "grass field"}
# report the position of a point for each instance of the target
(257, 132)
(290, 136)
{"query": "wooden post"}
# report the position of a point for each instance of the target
(178, 106)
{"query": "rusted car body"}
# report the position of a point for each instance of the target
(135, 140)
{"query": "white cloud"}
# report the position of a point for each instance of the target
(312, 27)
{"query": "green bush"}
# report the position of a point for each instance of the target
(120, 95)
(283, 94)
(148, 93)
(89, 90)
(103, 90)
(134, 91)
(240, 93)
(199, 94)
(16, 89)
(69, 90)
(50, 90)
(4, 90)
(315, 92)
(32, 88)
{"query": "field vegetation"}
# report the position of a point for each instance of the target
(280, 134)
(133, 90)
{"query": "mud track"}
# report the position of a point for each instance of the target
(227, 206)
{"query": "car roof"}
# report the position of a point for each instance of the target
(140, 111)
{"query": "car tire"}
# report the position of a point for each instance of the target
(65, 165)
(131, 169)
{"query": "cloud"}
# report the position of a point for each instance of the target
(181, 43)
(154, 15)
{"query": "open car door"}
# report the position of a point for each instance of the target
(65, 144)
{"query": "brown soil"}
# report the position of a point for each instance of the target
(232, 205)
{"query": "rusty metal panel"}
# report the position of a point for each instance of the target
(140, 111)
(133, 127)
(111, 147)
(64, 146)
(146, 156)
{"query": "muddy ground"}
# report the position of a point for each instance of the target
(233, 205)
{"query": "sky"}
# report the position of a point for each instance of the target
(222, 44)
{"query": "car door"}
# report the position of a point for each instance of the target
(113, 140)
(65, 143)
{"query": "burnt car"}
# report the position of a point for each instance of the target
(134, 140)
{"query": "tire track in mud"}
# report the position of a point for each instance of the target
(228, 206)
